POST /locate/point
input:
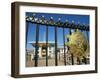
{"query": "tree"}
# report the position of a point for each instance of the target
(78, 44)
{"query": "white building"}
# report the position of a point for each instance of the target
(42, 49)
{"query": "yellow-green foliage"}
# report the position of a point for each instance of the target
(78, 44)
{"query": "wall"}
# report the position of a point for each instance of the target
(5, 40)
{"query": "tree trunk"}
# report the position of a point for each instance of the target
(72, 59)
(78, 61)
(85, 61)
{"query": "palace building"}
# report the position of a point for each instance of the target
(42, 49)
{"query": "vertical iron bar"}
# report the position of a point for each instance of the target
(70, 31)
(36, 45)
(27, 26)
(85, 59)
(56, 62)
(64, 46)
(87, 36)
(72, 59)
(46, 45)
(71, 53)
(75, 30)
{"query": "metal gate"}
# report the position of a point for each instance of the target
(56, 24)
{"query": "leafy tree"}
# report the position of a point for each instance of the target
(78, 44)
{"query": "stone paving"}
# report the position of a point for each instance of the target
(42, 62)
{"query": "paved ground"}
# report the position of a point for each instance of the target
(51, 62)
(42, 62)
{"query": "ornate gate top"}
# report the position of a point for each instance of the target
(58, 23)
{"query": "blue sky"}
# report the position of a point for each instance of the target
(83, 19)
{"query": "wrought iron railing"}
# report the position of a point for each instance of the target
(51, 22)
(59, 23)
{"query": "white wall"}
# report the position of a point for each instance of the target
(5, 40)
